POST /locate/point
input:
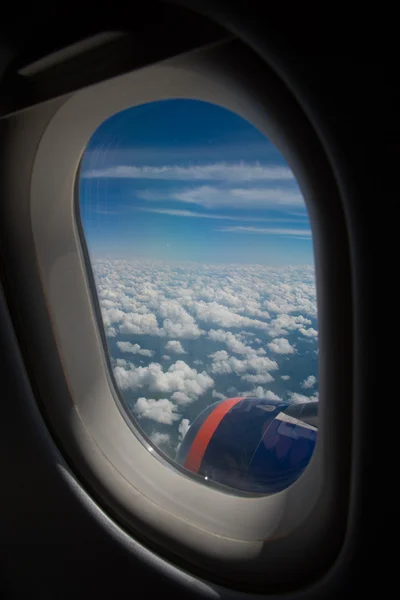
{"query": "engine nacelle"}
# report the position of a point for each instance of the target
(251, 444)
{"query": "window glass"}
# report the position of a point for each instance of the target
(201, 249)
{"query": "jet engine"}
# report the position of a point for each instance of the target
(251, 444)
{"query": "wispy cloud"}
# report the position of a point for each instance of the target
(234, 198)
(299, 214)
(268, 231)
(197, 215)
(108, 211)
(219, 171)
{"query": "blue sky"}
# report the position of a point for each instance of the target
(188, 180)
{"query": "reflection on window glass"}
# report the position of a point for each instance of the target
(201, 249)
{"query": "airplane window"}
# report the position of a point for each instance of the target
(201, 250)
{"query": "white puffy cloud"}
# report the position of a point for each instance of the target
(177, 321)
(233, 342)
(309, 332)
(112, 315)
(245, 309)
(271, 396)
(284, 323)
(111, 332)
(170, 300)
(297, 398)
(259, 392)
(223, 364)
(183, 330)
(179, 378)
(218, 314)
(134, 349)
(121, 362)
(184, 326)
(218, 395)
(294, 293)
(281, 346)
(309, 382)
(183, 427)
(160, 439)
(163, 410)
(259, 378)
(175, 346)
(139, 324)
(182, 398)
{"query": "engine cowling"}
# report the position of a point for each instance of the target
(251, 444)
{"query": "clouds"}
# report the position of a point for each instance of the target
(259, 378)
(186, 330)
(179, 378)
(306, 233)
(218, 395)
(218, 314)
(284, 323)
(224, 364)
(173, 212)
(309, 382)
(184, 301)
(183, 428)
(139, 324)
(281, 346)
(206, 321)
(233, 326)
(233, 342)
(271, 396)
(206, 195)
(178, 323)
(210, 197)
(217, 185)
(309, 332)
(160, 439)
(134, 349)
(161, 411)
(260, 392)
(298, 398)
(175, 346)
(182, 398)
(287, 297)
(218, 171)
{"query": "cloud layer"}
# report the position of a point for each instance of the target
(189, 335)
(220, 171)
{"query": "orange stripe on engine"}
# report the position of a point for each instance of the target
(205, 433)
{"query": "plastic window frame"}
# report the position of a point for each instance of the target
(267, 538)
